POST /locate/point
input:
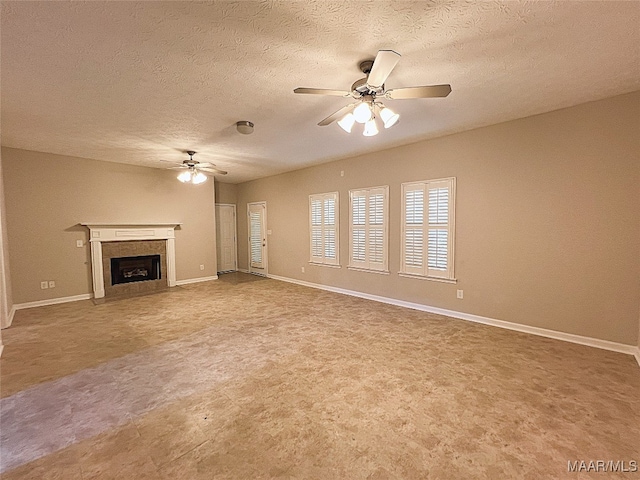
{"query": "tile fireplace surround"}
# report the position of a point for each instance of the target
(133, 240)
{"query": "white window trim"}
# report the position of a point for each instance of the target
(325, 261)
(424, 273)
(426, 277)
(330, 265)
(366, 266)
(368, 270)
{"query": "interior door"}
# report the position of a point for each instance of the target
(257, 217)
(226, 248)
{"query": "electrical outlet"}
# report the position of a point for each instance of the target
(302, 269)
(52, 284)
(201, 267)
(44, 285)
(79, 243)
(460, 294)
(342, 173)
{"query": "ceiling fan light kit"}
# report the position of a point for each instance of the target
(367, 90)
(193, 173)
(194, 177)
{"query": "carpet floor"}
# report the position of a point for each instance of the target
(253, 378)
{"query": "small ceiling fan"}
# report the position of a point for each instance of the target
(369, 90)
(192, 170)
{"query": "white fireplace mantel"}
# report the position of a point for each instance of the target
(114, 232)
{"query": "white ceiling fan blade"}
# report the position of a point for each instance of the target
(384, 63)
(336, 115)
(179, 167)
(431, 91)
(322, 91)
(212, 170)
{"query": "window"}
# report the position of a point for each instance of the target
(428, 221)
(368, 228)
(323, 225)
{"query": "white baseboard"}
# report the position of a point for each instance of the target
(53, 301)
(84, 296)
(242, 270)
(196, 280)
(1, 349)
(542, 332)
(637, 354)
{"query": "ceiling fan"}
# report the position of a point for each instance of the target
(192, 170)
(367, 93)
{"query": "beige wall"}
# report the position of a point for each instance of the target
(226, 193)
(547, 219)
(48, 195)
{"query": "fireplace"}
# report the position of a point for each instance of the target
(132, 258)
(135, 269)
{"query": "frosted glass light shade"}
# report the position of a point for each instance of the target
(389, 117)
(198, 178)
(185, 176)
(362, 113)
(346, 123)
(370, 128)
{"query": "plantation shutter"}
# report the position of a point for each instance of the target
(323, 228)
(413, 241)
(376, 229)
(428, 228)
(358, 229)
(438, 230)
(256, 239)
(316, 229)
(329, 224)
(368, 228)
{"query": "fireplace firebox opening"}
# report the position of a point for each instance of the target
(135, 269)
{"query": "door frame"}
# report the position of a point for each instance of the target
(235, 234)
(265, 270)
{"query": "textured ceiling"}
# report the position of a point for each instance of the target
(140, 82)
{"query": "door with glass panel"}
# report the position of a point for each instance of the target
(257, 218)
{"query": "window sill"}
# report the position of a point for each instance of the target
(330, 265)
(424, 277)
(369, 270)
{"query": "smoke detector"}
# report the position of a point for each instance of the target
(244, 127)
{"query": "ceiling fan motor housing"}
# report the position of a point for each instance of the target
(362, 86)
(191, 162)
